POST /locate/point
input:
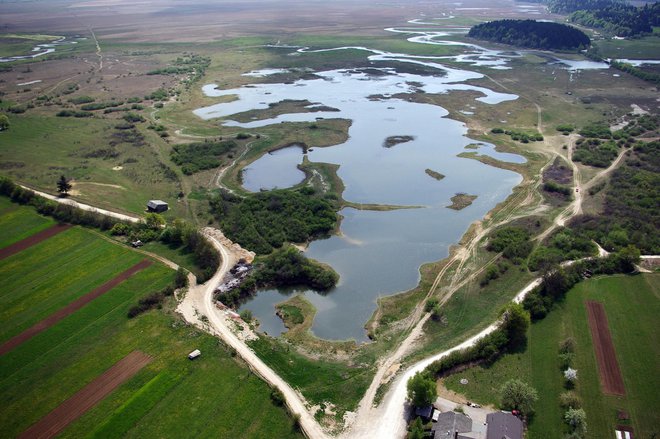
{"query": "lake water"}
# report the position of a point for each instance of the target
(277, 169)
(376, 253)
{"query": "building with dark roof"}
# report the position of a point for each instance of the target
(503, 426)
(424, 412)
(450, 425)
(157, 206)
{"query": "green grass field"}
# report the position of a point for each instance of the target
(214, 396)
(632, 307)
(18, 222)
(27, 152)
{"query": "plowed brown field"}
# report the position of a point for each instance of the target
(608, 367)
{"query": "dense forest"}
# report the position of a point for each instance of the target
(264, 221)
(612, 16)
(631, 202)
(532, 34)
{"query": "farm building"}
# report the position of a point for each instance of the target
(157, 206)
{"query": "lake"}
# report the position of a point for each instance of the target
(377, 253)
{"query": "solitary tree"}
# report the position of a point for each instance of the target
(421, 390)
(577, 420)
(4, 122)
(516, 321)
(518, 395)
(63, 185)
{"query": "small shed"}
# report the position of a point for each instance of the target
(194, 354)
(157, 206)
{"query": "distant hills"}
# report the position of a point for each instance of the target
(532, 34)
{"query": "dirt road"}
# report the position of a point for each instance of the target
(199, 302)
(70, 202)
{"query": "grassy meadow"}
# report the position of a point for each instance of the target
(214, 396)
(19, 222)
(632, 306)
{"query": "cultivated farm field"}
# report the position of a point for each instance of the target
(170, 397)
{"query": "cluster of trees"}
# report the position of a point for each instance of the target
(519, 136)
(596, 130)
(179, 234)
(565, 128)
(558, 281)
(532, 34)
(554, 187)
(630, 207)
(192, 64)
(198, 156)
(565, 244)
(266, 220)
(513, 241)
(283, 267)
(595, 152)
(640, 125)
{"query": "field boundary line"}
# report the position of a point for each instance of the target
(72, 307)
(68, 411)
(32, 240)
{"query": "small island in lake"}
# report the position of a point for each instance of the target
(395, 140)
(461, 201)
(434, 174)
